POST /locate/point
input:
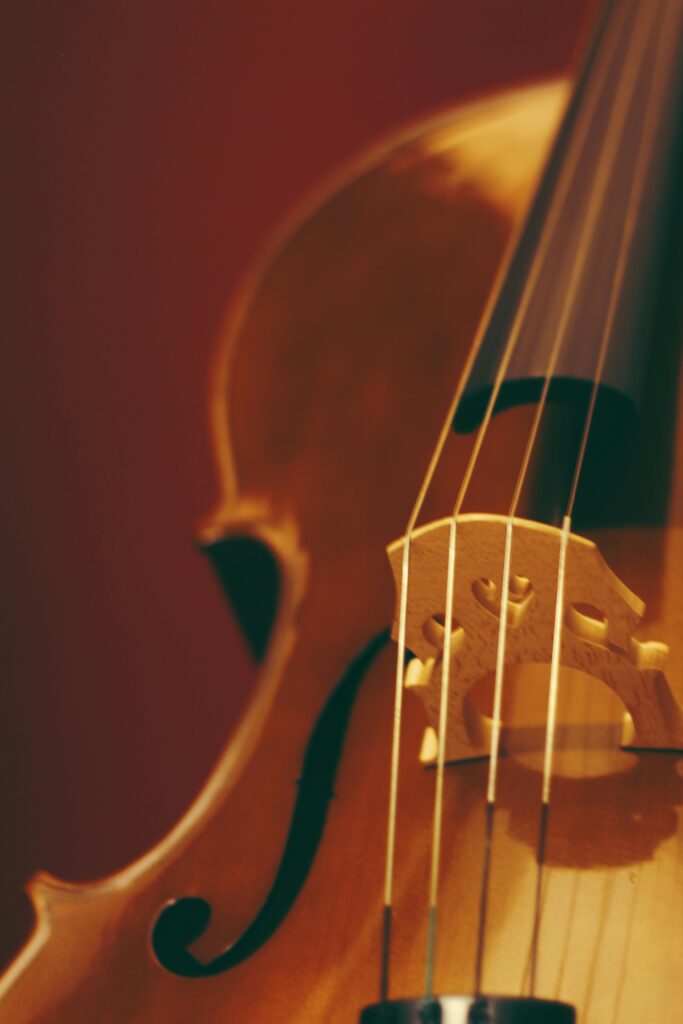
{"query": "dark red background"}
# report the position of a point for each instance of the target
(149, 148)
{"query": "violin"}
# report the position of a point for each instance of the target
(446, 416)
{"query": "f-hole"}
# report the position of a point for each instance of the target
(250, 579)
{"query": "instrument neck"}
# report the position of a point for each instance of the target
(576, 283)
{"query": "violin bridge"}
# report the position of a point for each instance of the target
(599, 620)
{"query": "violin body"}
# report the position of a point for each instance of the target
(335, 371)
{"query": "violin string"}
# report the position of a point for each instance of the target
(656, 91)
(600, 184)
(385, 954)
(444, 434)
(556, 209)
(668, 38)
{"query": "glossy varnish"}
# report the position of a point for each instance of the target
(337, 366)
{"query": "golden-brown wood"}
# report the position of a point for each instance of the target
(602, 644)
(335, 371)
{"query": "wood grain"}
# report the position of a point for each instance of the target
(599, 641)
(336, 369)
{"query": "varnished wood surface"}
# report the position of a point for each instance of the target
(599, 626)
(336, 371)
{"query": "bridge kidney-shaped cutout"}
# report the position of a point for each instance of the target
(434, 632)
(587, 622)
(520, 593)
(597, 635)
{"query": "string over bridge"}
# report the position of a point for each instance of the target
(599, 621)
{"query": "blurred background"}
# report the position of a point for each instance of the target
(148, 152)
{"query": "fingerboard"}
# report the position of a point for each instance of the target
(580, 278)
